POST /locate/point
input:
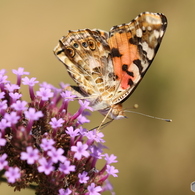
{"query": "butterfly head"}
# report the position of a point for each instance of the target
(114, 112)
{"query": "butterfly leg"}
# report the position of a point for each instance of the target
(103, 125)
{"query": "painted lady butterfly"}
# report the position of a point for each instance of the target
(108, 66)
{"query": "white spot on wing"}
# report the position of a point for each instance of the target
(149, 28)
(131, 27)
(148, 50)
(139, 32)
(66, 60)
(161, 33)
(145, 46)
(152, 20)
(62, 58)
(150, 53)
(156, 33)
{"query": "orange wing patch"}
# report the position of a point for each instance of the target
(134, 45)
(123, 54)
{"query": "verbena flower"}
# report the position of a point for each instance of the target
(42, 143)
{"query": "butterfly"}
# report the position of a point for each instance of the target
(108, 66)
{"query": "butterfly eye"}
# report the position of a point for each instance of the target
(75, 45)
(92, 44)
(84, 44)
(70, 52)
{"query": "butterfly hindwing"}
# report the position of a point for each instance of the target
(83, 52)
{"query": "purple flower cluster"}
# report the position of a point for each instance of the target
(42, 143)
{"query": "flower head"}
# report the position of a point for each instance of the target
(42, 142)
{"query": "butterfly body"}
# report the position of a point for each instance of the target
(107, 66)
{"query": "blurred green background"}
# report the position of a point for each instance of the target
(154, 157)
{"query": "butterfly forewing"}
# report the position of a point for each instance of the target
(133, 48)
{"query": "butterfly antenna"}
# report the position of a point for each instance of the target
(154, 117)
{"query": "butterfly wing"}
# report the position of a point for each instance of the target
(133, 48)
